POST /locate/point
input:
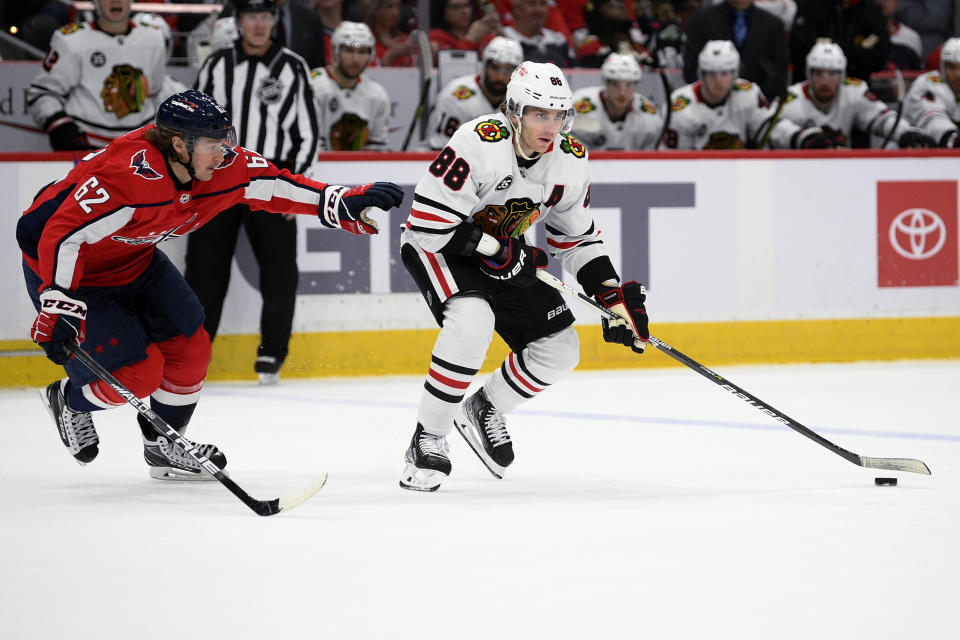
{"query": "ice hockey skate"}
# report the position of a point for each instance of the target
(168, 461)
(484, 428)
(75, 427)
(427, 462)
(267, 369)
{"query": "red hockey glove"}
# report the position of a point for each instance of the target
(346, 207)
(61, 319)
(516, 264)
(627, 302)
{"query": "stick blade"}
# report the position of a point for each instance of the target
(896, 464)
(297, 499)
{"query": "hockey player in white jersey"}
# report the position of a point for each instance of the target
(353, 111)
(99, 81)
(933, 101)
(467, 97)
(464, 245)
(721, 111)
(838, 104)
(614, 116)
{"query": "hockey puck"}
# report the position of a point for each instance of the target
(885, 482)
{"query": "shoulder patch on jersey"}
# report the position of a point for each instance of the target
(229, 155)
(142, 168)
(647, 106)
(463, 92)
(571, 145)
(852, 82)
(679, 103)
(742, 85)
(315, 73)
(492, 131)
(584, 106)
(69, 28)
(936, 78)
(790, 97)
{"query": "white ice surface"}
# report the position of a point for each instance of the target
(641, 505)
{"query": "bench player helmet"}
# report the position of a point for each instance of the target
(949, 53)
(351, 34)
(543, 85)
(620, 66)
(502, 50)
(826, 55)
(191, 115)
(718, 55)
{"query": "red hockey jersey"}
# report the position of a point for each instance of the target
(100, 225)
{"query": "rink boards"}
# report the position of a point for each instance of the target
(748, 257)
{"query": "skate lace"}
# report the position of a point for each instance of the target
(436, 445)
(176, 454)
(80, 425)
(495, 427)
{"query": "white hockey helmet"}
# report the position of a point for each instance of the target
(153, 21)
(543, 85)
(826, 55)
(949, 53)
(502, 50)
(351, 34)
(718, 55)
(620, 66)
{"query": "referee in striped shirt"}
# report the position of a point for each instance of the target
(266, 90)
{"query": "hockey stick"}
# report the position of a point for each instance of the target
(260, 507)
(426, 71)
(892, 464)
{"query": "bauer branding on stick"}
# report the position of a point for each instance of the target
(885, 482)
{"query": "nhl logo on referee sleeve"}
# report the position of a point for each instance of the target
(270, 91)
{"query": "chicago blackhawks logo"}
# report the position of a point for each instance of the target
(584, 106)
(124, 90)
(491, 131)
(724, 140)
(462, 92)
(571, 145)
(142, 168)
(509, 219)
(648, 107)
(679, 103)
(742, 85)
(349, 133)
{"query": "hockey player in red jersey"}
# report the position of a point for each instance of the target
(93, 272)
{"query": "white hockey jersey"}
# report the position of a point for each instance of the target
(740, 120)
(351, 119)
(931, 105)
(854, 106)
(639, 129)
(461, 100)
(109, 84)
(476, 178)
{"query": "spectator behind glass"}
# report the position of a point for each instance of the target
(932, 19)
(905, 45)
(758, 36)
(539, 43)
(857, 26)
(331, 15)
(394, 48)
(462, 24)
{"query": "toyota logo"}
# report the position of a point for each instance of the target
(917, 234)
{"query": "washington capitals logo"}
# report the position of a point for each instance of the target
(229, 155)
(141, 167)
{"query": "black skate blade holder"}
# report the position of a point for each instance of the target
(260, 507)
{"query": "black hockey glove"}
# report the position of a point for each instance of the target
(915, 140)
(61, 319)
(950, 140)
(812, 138)
(515, 264)
(346, 207)
(627, 302)
(64, 133)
